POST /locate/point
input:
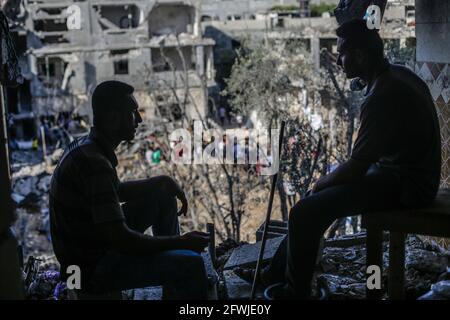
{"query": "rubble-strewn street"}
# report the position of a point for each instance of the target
(30, 186)
(424, 266)
(341, 270)
(345, 101)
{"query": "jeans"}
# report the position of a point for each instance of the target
(311, 217)
(182, 272)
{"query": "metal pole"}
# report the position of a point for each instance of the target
(6, 209)
(269, 212)
(212, 242)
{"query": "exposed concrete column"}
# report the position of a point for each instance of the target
(197, 21)
(315, 51)
(32, 62)
(402, 42)
(433, 65)
(209, 63)
(200, 54)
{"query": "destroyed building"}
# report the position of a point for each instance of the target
(232, 10)
(343, 262)
(67, 47)
(313, 33)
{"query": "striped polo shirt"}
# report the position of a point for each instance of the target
(83, 194)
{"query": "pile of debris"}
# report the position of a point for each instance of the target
(31, 178)
(342, 269)
(133, 156)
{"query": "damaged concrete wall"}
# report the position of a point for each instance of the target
(433, 65)
(57, 22)
(166, 59)
(171, 19)
(77, 44)
(161, 104)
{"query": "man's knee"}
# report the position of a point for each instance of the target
(190, 276)
(196, 260)
(193, 262)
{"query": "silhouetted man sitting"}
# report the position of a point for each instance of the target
(395, 161)
(91, 229)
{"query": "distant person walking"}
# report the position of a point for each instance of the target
(222, 115)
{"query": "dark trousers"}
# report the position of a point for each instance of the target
(312, 216)
(181, 272)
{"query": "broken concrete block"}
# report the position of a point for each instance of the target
(276, 229)
(44, 183)
(17, 198)
(339, 287)
(442, 288)
(149, 293)
(213, 278)
(426, 261)
(25, 186)
(247, 255)
(210, 270)
(236, 287)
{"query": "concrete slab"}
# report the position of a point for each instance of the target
(149, 293)
(276, 229)
(432, 42)
(213, 277)
(236, 287)
(239, 289)
(210, 270)
(247, 255)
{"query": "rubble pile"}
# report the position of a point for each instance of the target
(342, 269)
(31, 178)
(439, 291)
(224, 250)
(132, 156)
(46, 286)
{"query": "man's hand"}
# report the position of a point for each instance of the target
(195, 241)
(124, 240)
(173, 189)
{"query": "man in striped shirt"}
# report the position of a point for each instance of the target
(97, 221)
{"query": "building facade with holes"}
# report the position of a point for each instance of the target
(67, 47)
